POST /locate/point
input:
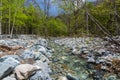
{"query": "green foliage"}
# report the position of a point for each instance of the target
(29, 19)
(56, 27)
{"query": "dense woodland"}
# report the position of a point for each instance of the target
(78, 18)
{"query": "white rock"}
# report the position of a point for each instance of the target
(23, 71)
(62, 78)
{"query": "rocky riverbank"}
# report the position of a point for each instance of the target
(27, 58)
(23, 59)
(100, 57)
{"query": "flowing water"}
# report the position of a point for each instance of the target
(63, 63)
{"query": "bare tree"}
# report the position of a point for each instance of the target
(1, 18)
(47, 7)
(87, 17)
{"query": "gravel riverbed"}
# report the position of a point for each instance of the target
(58, 59)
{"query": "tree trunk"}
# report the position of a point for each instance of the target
(115, 17)
(45, 7)
(48, 7)
(9, 18)
(1, 19)
(87, 26)
(13, 23)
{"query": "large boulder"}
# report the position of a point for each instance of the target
(43, 74)
(7, 66)
(23, 71)
(44, 66)
(11, 61)
(5, 69)
(9, 78)
(16, 57)
(40, 75)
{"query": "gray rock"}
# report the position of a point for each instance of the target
(44, 66)
(75, 51)
(91, 60)
(7, 66)
(41, 57)
(71, 77)
(5, 69)
(11, 61)
(52, 50)
(27, 54)
(42, 50)
(38, 55)
(16, 57)
(62, 78)
(101, 51)
(43, 74)
(9, 78)
(42, 42)
(97, 75)
(112, 77)
(39, 75)
(48, 54)
(84, 50)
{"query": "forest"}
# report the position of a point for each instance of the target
(59, 39)
(76, 19)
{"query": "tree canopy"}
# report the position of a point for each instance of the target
(77, 17)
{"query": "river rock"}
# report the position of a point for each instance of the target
(28, 54)
(11, 61)
(39, 75)
(62, 78)
(75, 51)
(112, 77)
(101, 51)
(44, 59)
(16, 57)
(42, 49)
(5, 69)
(91, 60)
(71, 77)
(44, 66)
(42, 42)
(38, 55)
(9, 78)
(43, 74)
(7, 66)
(23, 71)
(97, 75)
